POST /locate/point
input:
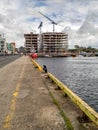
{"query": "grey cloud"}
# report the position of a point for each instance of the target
(68, 12)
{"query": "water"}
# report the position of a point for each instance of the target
(80, 74)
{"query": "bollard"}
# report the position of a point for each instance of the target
(45, 68)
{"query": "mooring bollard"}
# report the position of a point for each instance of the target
(45, 68)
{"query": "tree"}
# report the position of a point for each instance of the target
(76, 46)
(22, 49)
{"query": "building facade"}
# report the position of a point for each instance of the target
(2, 44)
(53, 42)
(10, 48)
(49, 43)
(31, 42)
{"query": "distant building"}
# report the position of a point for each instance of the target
(13, 44)
(52, 43)
(10, 48)
(2, 44)
(31, 42)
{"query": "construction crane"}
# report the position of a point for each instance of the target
(54, 23)
(40, 26)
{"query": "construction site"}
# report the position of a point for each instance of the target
(47, 43)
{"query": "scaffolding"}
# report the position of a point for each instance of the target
(54, 43)
(49, 43)
(31, 42)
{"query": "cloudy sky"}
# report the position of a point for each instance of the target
(78, 18)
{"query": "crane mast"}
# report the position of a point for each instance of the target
(40, 26)
(53, 22)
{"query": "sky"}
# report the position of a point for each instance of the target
(78, 18)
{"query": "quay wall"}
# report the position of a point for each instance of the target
(89, 112)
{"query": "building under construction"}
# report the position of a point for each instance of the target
(31, 42)
(49, 43)
(54, 43)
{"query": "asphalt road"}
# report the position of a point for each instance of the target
(4, 60)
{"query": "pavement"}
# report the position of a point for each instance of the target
(30, 101)
(25, 103)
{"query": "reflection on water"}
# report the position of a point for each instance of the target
(80, 74)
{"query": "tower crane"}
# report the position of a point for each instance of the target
(54, 23)
(40, 26)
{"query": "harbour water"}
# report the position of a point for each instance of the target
(80, 74)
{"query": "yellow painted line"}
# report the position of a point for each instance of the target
(9, 117)
(13, 103)
(90, 112)
(7, 121)
(15, 94)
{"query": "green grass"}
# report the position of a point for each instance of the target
(67, 121)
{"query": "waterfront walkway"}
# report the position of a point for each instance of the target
(26, 102)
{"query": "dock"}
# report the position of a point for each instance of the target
(31, 100)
